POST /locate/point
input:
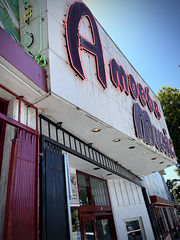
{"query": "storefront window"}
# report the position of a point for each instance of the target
(92, 191)
(84, 189)
(103, 229)
(170, 218)
(89, 230)
(135, 230)
(76, 231)
(162, 219)
(99, 192)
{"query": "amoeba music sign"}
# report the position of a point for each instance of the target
(120, 79)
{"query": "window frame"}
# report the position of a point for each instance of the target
(93, 207)
(162, 221)
(141, 225)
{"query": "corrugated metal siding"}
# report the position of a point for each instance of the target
(127, 202)
(124, 193)
(21, 211)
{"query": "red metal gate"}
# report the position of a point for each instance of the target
(21, 216)
(21, 220)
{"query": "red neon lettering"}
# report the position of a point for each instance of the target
(76, 42)
(149, 133)
(149, 100)
(128, 84)
(142, 96)
(156, 110)
(132, 87)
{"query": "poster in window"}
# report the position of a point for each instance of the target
(75, 198)
(76, 230)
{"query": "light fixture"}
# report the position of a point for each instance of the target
(90, 144)
(96, 168)
(153, 158)
(117, 140)
(144, 153)
(161, 162)
(96, 130)
(132, 147)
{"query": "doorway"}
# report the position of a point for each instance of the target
(98, 228)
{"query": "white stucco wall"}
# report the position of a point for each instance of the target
(127, 202)
(111, 107)
(107, 105)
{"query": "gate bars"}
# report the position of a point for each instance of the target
(72, 144)
(21, 177)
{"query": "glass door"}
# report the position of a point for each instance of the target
(98, 228)
(89, 228)
(105, 228)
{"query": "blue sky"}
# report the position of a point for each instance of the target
(148, 34)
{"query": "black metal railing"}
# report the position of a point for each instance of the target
(74, 145)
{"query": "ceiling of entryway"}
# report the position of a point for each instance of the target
(139, 158)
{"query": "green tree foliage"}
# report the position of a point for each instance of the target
(174, 190)
(171, 184)
(170, 101)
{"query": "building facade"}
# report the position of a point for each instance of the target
(162, 204)
(79, 129)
